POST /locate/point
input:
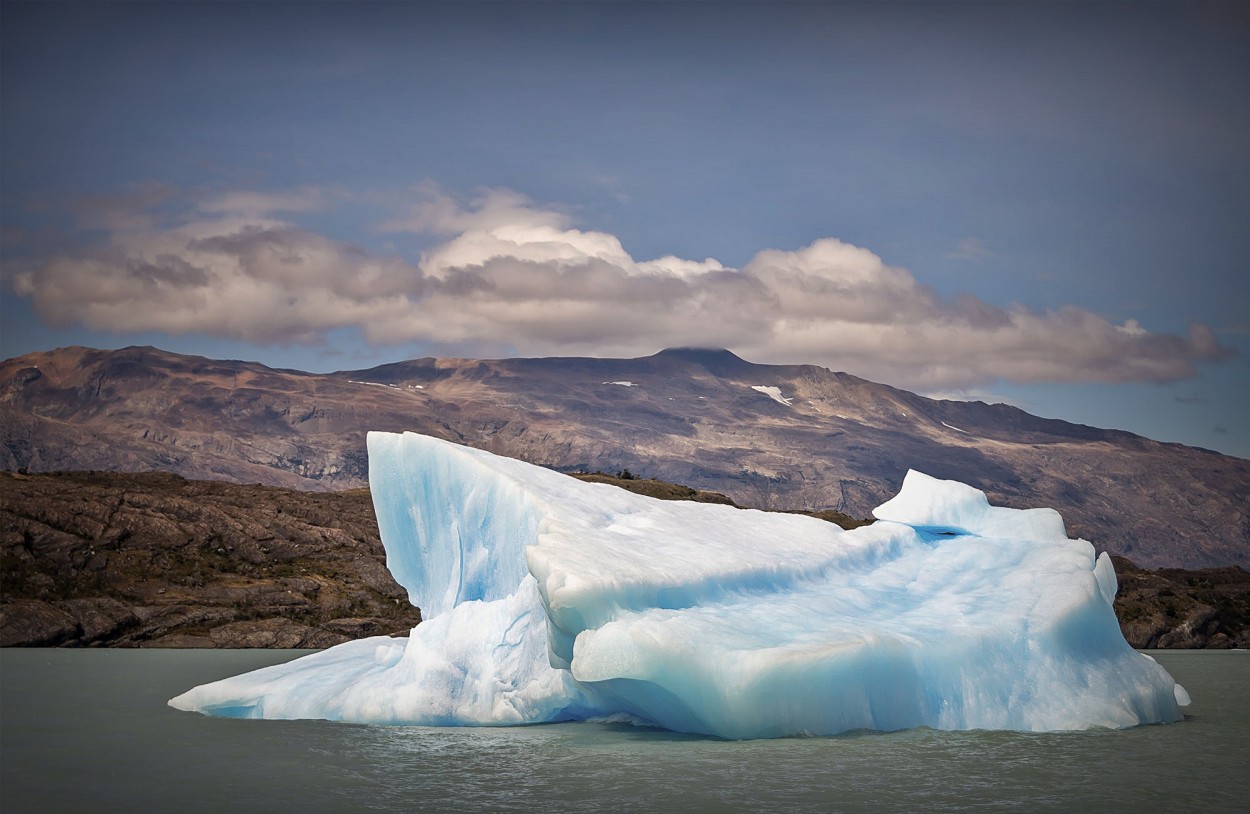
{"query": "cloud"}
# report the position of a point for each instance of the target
(509, 277)
(436, 212)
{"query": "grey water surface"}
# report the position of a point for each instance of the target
(90, 731)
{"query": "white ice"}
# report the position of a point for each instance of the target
(549, 599)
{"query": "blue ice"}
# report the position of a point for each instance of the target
(545, 599)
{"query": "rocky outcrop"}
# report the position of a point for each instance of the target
(154, 560)
(1173, 608)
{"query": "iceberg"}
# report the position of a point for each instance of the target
(548, 599)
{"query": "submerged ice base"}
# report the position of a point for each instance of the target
(549, 599)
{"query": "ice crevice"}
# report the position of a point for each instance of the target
(545, 598)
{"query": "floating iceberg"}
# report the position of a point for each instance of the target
(549, 599)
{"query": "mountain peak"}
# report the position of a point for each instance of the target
(716, 360)
(697, 352)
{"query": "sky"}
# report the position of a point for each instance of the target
(1041, 204)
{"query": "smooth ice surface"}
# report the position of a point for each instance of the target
(548, 599)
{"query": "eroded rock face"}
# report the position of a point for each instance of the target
(153, 560)
(34, 623)
(1172, 608)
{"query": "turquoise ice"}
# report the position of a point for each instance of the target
(549, 599)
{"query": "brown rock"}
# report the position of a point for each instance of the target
(100, 618)
(362, 628)
(155, 560)
(1173, 608)
(280, 633)
(32, 623)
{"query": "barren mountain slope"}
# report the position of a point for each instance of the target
(768, 436)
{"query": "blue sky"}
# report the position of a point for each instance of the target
(1045, 204)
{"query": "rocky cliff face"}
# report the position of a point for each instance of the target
(153, 560)
(768, 436)
(1173, 608)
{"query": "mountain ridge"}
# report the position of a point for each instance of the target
(770, 436)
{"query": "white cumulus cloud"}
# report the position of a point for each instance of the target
(509, 276)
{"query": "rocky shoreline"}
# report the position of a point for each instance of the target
(154, 560)
(95, 559)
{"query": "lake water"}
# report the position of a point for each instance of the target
(89, 731)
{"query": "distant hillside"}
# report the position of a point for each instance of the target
(153, 560)
(767, 436)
